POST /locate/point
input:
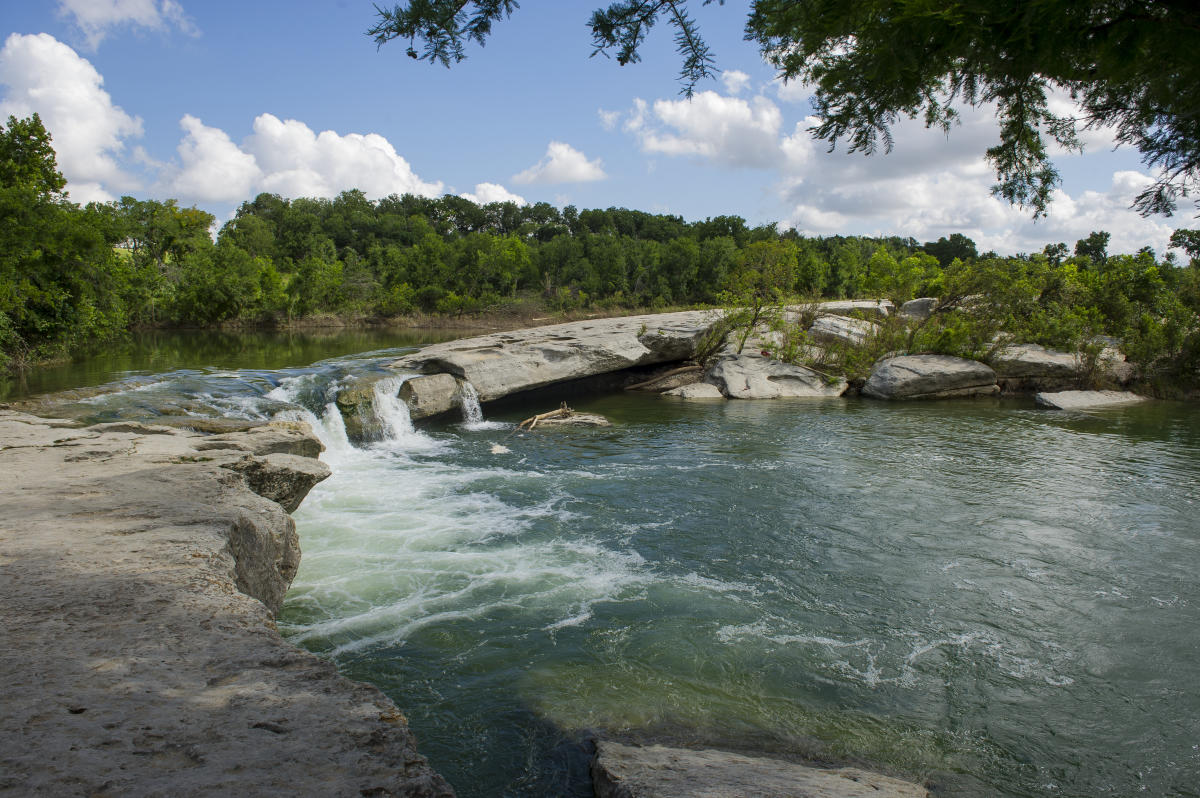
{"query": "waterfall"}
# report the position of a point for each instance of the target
(472, 412)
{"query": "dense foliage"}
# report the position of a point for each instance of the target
(1131, 65)
(72, 275)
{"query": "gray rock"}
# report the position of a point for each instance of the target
(840, 307)
(697, 390)
(929, 377)
(842, 329)
(623, 771)
(1026, 361)
(920, 309)
(1086, 400)
(138, 577)
(430, 395)
(282, 478)
(275, 437)
(504, 363)
(356, 403)
(751, 376)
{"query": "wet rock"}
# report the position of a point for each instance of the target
(430, 395)
(698, 390)
(842, 329)
(505, 363)
(623, 771)
(356, 403)
(139, 576)
(929, 377)
(920, 309)
(1086, 400)
(752, 376)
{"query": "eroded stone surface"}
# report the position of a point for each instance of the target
(920, 308)
(505, 363)
(624, 771)
(135, 659)
(929, 377)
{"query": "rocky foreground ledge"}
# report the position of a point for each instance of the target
(140, 570)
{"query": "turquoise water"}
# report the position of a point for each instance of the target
(994, 599)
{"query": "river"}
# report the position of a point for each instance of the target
(992, 598)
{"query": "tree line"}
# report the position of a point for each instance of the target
(73, 275)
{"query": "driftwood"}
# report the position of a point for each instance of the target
(532, 421)
(663, 376)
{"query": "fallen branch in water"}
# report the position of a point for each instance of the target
(660, 377)
(532, 422)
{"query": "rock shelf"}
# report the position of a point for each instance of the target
(140, 570)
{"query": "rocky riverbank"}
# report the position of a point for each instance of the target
(638, 349)
(140, 570)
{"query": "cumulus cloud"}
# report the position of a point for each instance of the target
(492, 192)
(562, 163)
(214, 169)
(727, 130)
(735, 81)
(295, 162)
(609, 119)
(95, 18)
(89, 132)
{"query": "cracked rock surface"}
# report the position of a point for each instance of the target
(140, 570)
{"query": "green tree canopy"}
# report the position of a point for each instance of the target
(1129, 64)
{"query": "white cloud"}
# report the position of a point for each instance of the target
(214, 168)
(727, 130)
(793, 91)
(95, 18)
(45, 76)
(735, 81)
(296, 162)
(562, 163)
(609, 119)
(492, 192)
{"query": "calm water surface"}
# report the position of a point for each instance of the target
(991, 598)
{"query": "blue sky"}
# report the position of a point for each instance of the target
(213, 101)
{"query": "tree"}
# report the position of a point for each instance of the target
(871, 62)
(1095, 246)
(947, 249)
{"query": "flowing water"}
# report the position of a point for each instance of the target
(992, 598)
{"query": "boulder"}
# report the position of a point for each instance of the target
(698, 390)
(1086, 400)
(929, 377)
(752, 376)
(920, 309)
(356, 403)
(430, 395)
(656, 771)
(842, 329)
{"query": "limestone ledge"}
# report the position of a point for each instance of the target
(140, 570)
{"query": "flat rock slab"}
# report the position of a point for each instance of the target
(1086, 400)
(623, 771)
(697, 390)
(842, 329)
(929, 377)
(505, 363)
(140, 567)
(752, 376)
(1032, 360)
